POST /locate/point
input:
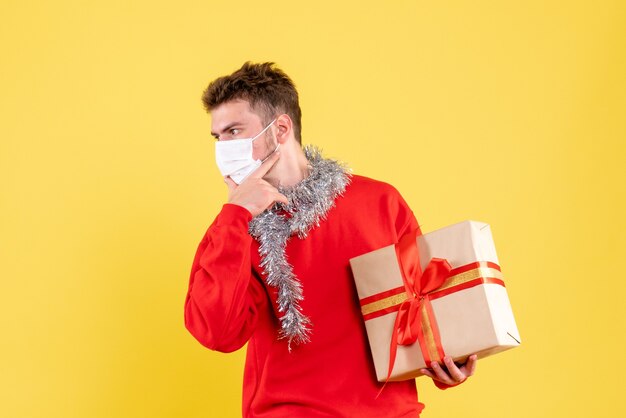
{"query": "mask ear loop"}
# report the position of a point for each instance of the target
(264, 129)
(277, 143)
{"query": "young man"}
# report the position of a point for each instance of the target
(273, 268)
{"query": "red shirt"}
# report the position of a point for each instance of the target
(229, 304)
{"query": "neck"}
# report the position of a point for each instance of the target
(291, 168)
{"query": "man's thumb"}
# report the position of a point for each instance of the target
(230, 183)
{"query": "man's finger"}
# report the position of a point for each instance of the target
(266, 166)
(274, 193)
(441, 374)
(453, 370)
(471, 365)
(230, 183)
(279, 197)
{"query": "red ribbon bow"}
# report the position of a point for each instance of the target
(408, 325)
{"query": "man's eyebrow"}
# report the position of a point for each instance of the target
(226, 128)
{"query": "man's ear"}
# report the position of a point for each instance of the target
(284, 128)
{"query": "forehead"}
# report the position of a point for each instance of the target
(234, 111)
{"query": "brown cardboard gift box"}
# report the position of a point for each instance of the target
(467, 313)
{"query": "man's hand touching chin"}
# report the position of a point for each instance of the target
(254, 193)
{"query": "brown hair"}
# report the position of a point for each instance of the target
(267, 88)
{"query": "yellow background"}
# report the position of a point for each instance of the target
(506, 112)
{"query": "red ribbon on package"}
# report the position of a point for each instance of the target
(416, 311)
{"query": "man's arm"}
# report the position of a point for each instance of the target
(224, 298)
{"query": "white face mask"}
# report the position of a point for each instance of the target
(234, 157)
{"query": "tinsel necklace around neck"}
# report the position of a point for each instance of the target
(309, 202)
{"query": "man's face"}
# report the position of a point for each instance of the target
(235, 119)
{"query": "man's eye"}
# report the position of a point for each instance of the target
(234, 131)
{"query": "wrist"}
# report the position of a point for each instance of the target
(233, 214)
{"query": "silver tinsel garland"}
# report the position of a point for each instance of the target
(309, 202)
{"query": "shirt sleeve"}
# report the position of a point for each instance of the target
(224, 296)
(405, 219)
